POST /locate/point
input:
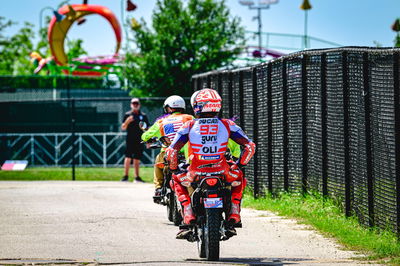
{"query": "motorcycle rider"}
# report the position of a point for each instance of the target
(167, 125)
(208, 136)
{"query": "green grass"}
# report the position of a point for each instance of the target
(328, 218)
(81, 174)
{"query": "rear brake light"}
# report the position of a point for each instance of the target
(213, 195)
(211, 181)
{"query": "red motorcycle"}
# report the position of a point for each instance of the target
(211, 203)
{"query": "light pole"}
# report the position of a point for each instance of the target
(305, 6)
(262, 4)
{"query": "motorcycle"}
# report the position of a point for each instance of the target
(211, 203)
(167, 195)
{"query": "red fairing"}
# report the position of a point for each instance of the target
(172, 158)
(249, 150)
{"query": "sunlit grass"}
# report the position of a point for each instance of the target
(325, 216)
(81, 174)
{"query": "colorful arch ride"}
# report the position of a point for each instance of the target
(58, 30)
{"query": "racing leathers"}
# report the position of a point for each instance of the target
(165, 126)
(208, 139)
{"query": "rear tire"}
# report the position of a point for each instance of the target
(176, 215)
(212, 234)
(171, 207)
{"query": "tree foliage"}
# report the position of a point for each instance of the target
(15, 50)
(75, 49)
(186, 39)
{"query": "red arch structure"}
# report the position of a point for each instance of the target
(58, 30)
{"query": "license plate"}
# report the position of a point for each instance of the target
(213, 203)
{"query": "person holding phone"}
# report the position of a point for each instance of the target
(134, 147)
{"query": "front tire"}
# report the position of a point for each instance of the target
(212, 233)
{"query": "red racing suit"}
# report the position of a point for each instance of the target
(208, 139)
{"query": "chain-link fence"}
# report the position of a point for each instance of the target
(65, 132)
(323, 120)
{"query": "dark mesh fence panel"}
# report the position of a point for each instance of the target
(236, 96)
(335, 118)
(225, 88)
(358, 160)
(382, 116)
(262, 143)
(248, 117)
(314, 126)
(294, 106)
(277, 126)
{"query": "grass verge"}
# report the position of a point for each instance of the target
(81, 174)
(326, 217)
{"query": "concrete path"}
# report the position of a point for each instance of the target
(117, 223)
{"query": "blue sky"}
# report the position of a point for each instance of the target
(347, 22)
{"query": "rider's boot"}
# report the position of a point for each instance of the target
(188, 218)
(234, 214)
(233, 219)
(157, 196)
(188, 214)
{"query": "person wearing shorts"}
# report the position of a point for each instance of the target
(134, 147)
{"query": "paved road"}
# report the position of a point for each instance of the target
(117, 223)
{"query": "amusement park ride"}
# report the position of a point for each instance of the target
(58, 29)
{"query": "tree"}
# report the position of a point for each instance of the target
(15, 50)
(187, 39)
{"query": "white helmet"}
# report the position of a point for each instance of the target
(174, 102)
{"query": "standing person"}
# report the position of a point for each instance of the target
(134, 148)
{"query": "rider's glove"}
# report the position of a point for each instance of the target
(172, 158)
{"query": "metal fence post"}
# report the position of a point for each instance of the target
(368, 136)
(32, 150)
(396, 92)
(324, 128)
(269, 107)
(304, 103)
(346, 136)
(255, 132)
(56, 150)
(104, 151)
(285, 138)
(73, 137)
